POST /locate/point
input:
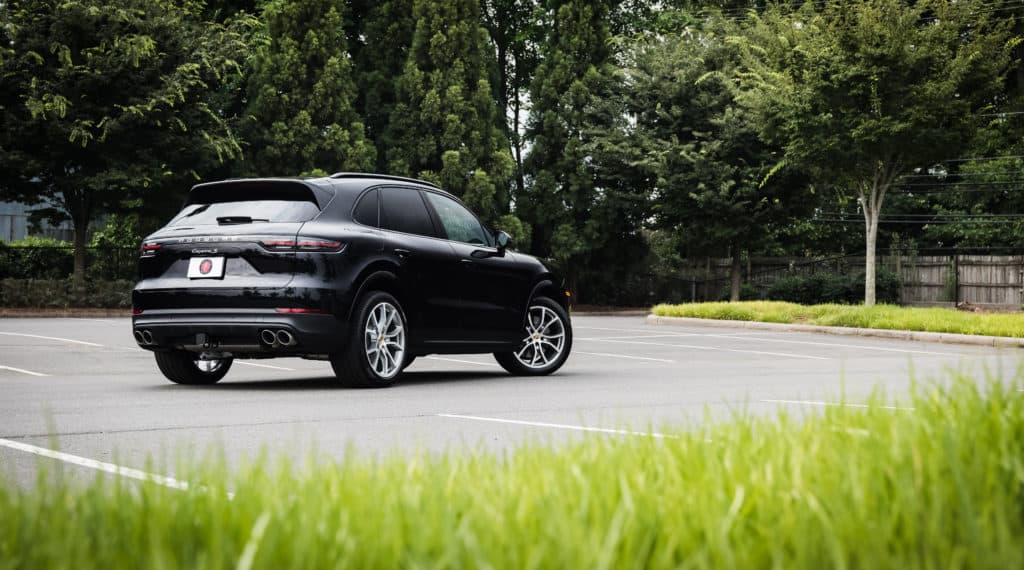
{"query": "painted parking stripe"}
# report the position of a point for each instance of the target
(648, 331)
(609, 355)
(559, 426)
(833, 404)
(461, 361)
(840, 345)
(716, 348)
(22, 370)
(57, 338)
(258, 365)
(97, 465)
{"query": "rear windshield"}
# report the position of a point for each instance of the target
(255, 210)
(241, 201)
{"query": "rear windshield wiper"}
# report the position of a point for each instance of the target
(228, 220)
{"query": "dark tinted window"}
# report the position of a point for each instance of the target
(459, 223)
(366, 210)
(258, 210)
(403, 210)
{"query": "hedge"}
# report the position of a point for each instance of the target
(65, 293)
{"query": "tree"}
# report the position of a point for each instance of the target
(718, 185)
(380, 40)
(861, 93)
(444, 126)
(583, 197)
(300, 115)
(516, 31)
(104, 102)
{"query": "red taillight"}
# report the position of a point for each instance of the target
(290, 311)
(302, 244)
(136, 311)
(150, 248)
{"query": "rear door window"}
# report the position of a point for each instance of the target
(403, 210)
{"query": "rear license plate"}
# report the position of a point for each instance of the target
(206, 268)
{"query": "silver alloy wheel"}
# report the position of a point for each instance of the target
(384, 340)
(545, 338)
(209, 366)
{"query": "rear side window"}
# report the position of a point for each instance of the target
(366, 210)
(403, 210)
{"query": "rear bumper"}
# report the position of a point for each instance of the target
(238, 331)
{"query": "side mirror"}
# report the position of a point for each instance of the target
(502, 240)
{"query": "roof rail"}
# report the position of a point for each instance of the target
(383, 176)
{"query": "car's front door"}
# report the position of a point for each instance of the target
(490, 283)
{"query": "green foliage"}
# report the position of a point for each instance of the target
(887, 317)
(860, 93)
(445, 124)
(849, 487)
(36, 258)
(825, 287)
(120, 231)
(67, 293)
(300, 117)
(584, 198)
(106, 101)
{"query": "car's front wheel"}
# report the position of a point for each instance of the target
(547, 343)
(183, 367)
(377, 349)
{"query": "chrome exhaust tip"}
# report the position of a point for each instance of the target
(138, 337)
(268, 337)
(285, 338)
(147, 337)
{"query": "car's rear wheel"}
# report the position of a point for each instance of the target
(377, 349)
(547, 343)
(183, 367)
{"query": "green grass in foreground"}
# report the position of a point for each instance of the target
(941, 486)
(877, 317)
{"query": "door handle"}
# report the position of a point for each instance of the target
(403, 253)
(468, 263)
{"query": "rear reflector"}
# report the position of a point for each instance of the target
(301, 311)
(136, 311)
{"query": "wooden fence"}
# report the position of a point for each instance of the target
(989, 281)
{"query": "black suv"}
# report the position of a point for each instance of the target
(365, 270)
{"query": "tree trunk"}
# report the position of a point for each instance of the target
(80, 229)
(734, 275)
(872, 194)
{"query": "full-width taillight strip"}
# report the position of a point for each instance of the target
(301, 244)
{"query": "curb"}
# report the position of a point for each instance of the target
(637, 313)
(16, 313)
(945, 338)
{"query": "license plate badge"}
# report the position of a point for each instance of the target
(206, 268)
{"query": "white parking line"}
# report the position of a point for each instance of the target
(627, 337)
(22, 370)
(271, 366)
(559, 426)
(71, 340)
(840, 345)
(461, 361)
(839, 404)
(97, 465)
(718, 348)
(621, 356)
(648, 331)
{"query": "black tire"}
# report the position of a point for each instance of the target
(510, 362)
(408, 361)
(182, 367)
(353, 366)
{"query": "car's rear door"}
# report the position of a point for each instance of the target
(426, 263)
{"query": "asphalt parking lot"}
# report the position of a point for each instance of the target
(82, 386)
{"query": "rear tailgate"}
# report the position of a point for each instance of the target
(246, 230)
